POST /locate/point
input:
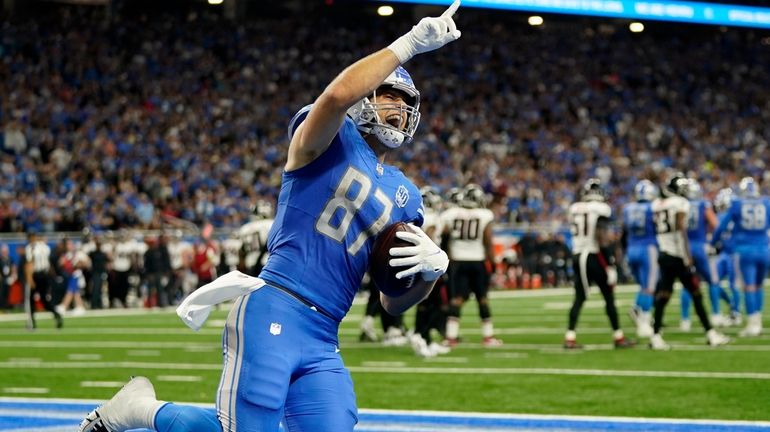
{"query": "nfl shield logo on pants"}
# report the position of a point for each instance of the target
(275, 329)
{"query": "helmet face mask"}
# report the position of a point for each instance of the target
(454, 196)
(366, 113)
(263, 210)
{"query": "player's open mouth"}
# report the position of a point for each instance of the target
(394, 120)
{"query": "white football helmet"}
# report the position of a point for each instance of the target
(645, 190)
(748, 188)
(473, 197)
(723, 199)
(263, 210)
(364, 113)
(694, 191)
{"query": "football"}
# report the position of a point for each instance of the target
(382, 274)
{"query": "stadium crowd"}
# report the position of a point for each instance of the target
(109, 123)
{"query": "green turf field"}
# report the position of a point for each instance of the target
(531, 373)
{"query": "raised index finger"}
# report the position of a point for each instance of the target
(452, 9)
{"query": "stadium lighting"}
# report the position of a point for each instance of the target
(385, 11)
(216, 2)
(535, 20)
(636, 27)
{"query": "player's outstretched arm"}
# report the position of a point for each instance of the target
(359, 80)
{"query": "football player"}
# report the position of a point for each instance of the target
(750, 215)
(671, 212)
(700, 222)
(589, 220)
(724, 262)
(281, 354)
(469, 229)
(253, 237)
(642, 252)
(431, 312)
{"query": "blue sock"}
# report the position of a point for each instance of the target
(686, 300)
(183, 418)
(751, 302)
(639, 302)
(715, 292)
(645, 302)
(759, 300)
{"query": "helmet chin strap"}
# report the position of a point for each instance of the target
(389, 137)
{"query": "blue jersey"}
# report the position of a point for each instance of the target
(328, 215)
(639, 224)
(751, 220)
(696, 221)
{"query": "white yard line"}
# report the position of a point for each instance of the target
(26, 390)
(403, 368)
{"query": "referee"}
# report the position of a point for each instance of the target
(37, 275)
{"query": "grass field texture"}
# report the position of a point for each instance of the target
(93, 355)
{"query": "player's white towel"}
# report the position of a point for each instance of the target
(195, 309)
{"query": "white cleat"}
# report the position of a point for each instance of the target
(133, 407)
(719, 320)
(438, 349)
(658, 344)
(420, 347)
(685, 325)
(714, 338)
(644, 330)
(736, 319)
(753, 326)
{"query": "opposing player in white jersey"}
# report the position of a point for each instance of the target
(431, 312)
(253, 237)
(469, 227)
(675, 260)
(589, 220)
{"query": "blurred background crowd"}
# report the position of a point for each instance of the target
(110, 123)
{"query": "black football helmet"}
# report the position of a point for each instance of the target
(474, 196)
(678, 184)
(593, 190)
(431, 199)
(454, 196)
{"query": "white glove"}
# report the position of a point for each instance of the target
(429, 34)
(424, 257)
(612, 275)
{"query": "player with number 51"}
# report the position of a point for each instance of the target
(281, 354)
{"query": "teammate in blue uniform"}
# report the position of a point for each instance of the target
(750, 215)
(281, 353)
(701, 220)
(724, 262)
(642, 252)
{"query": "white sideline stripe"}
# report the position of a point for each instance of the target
(23, 412)
(413, 370)
(102, 384)
(180, 378)
(143, 353)
(513, 355)
(28, 390)
(84, 357)
(446, 414)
